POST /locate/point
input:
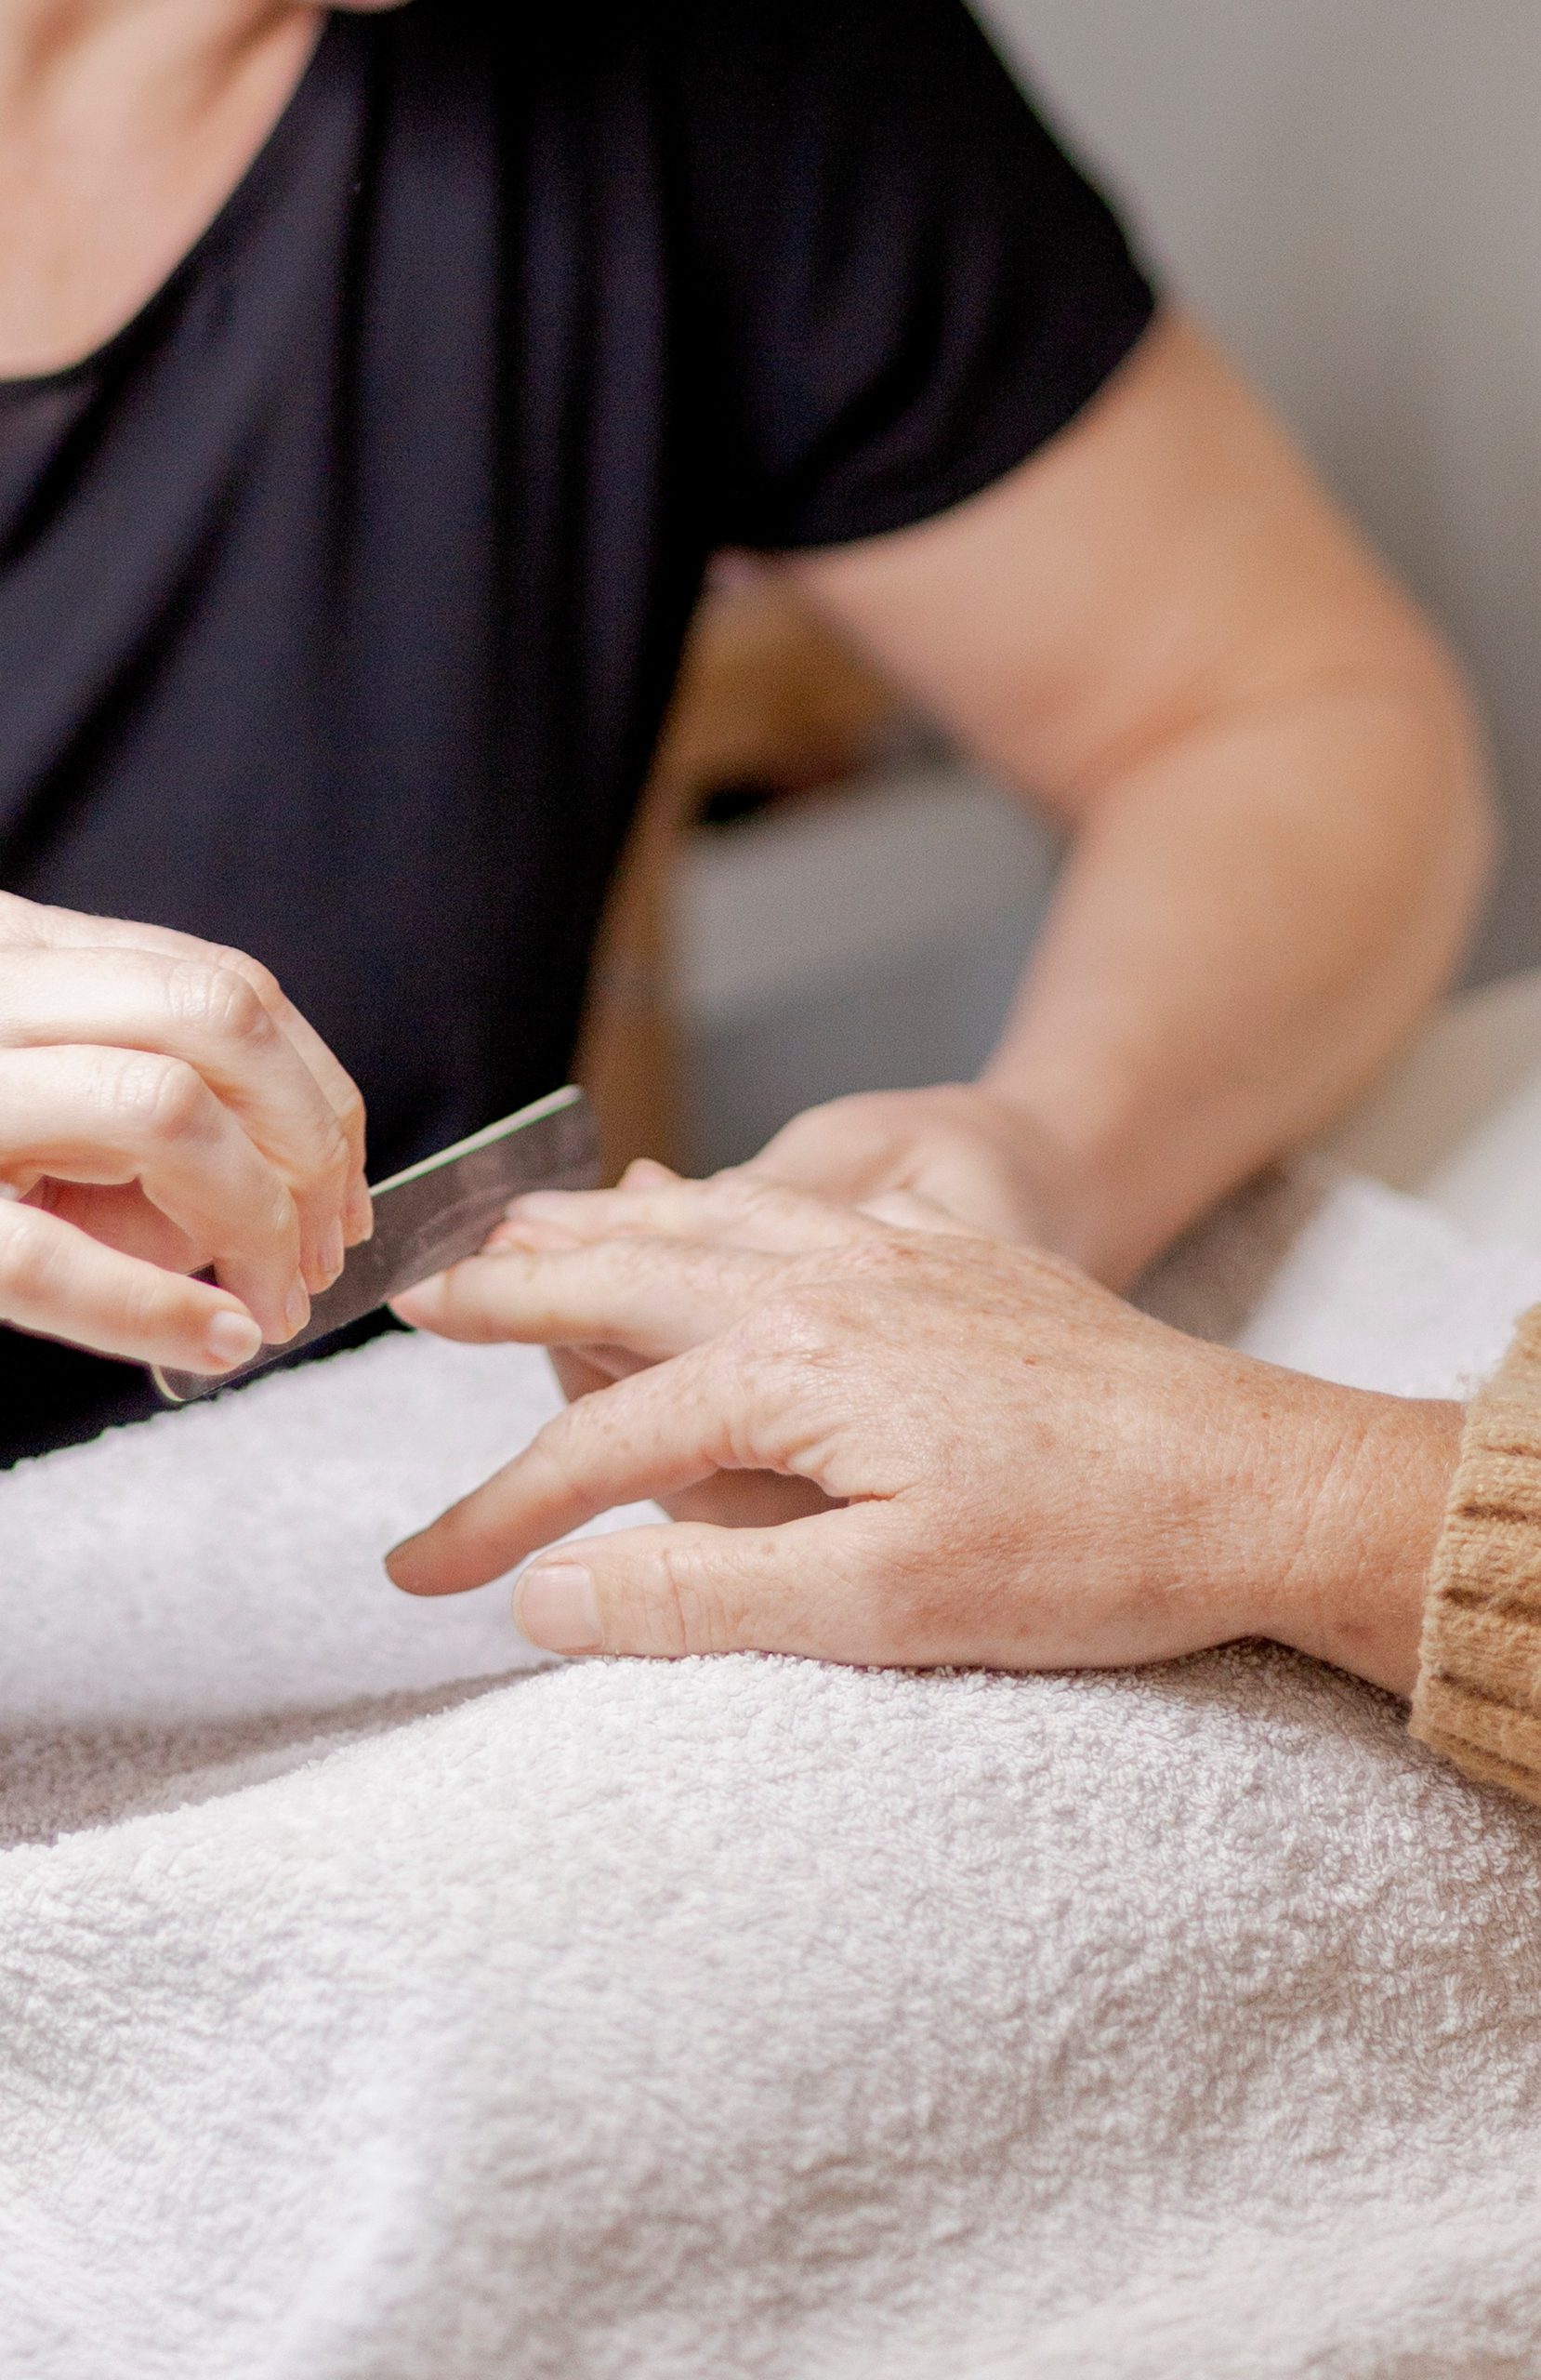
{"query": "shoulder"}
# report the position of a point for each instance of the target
(776, 46)
(773, 59)
(797, 41)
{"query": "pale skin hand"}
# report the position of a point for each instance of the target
(1010, 1467)
(163, 1108)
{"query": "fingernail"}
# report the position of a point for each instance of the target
(296, 1307)
(231, 1339)
(361, 1210)
(557, 1610)
(394, 1566)
(332, 1251)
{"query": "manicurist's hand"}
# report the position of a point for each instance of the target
(1007, 1465)
(164, 1109)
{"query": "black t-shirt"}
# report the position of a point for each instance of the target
(341, 593)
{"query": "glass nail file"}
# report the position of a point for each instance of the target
(433, 1215)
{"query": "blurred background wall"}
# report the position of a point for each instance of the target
(1346, 192)
(1349, 193)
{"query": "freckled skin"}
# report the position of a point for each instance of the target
(898, 1445)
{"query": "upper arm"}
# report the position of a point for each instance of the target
(1167, 557)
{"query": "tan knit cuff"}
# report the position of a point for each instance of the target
(1478, 1698)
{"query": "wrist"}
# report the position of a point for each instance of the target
(1366, 1482)
(1092, 1188)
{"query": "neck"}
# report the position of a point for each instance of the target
(41, 39)
(125, 124)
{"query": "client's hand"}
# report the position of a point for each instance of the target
(163, 1108)
(979, 1160)
(1015, 1468)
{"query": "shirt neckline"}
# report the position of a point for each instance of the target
(246, 193)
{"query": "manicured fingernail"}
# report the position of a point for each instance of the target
(557, 1609)
(296, 1307)
(332, 1251)
(231, 1339)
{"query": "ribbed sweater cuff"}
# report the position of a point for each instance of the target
(1478, 1698)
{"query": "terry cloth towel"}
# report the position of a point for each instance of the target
(375, 2006)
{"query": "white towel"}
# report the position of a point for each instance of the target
(374, 2008)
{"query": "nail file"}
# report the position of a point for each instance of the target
(433, 1215)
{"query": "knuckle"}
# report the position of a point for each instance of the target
(28, 1260)
(259, 980)
(326, 1176)
(688, 1612)
(162, 1097)
(282, 1223)
(789, 1328)
(879, 1281)
(621, 1263)
(218, 1000)
(142, 1304)
(259, 1224)
(810, 1311)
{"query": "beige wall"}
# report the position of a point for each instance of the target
(1349, 190)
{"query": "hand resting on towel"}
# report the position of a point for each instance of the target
(163, 1108)
(985, 1458)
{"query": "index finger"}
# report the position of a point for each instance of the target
(65, 930)
(175, 1007)
(652, 1434)
(654, 1297)
(730, 1210)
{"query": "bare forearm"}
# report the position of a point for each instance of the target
(1161, 627)
(1251, 918)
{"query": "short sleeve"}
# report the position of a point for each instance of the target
(905, 286)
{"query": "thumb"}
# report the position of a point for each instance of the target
(812, 1586)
